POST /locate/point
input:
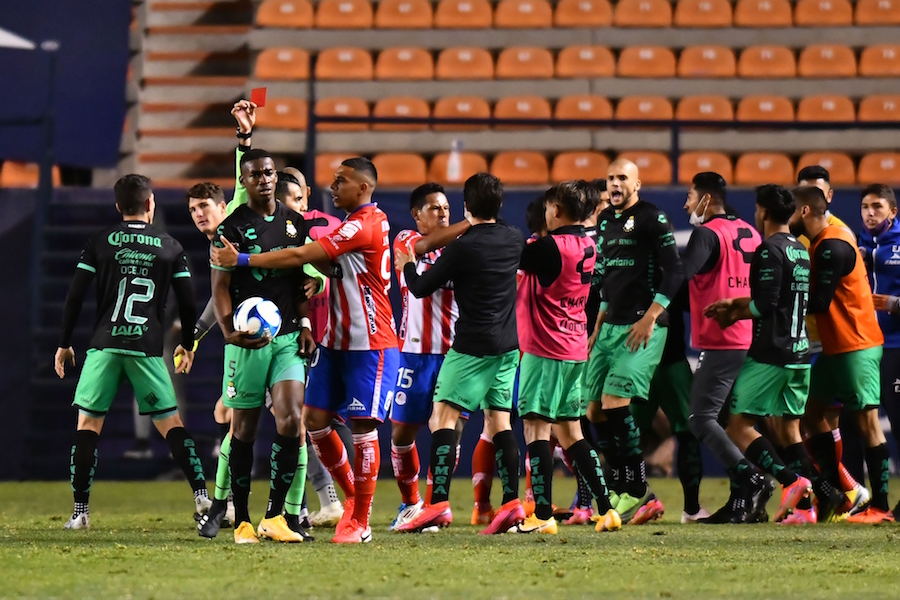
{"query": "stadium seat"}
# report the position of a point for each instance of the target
(283, 113)
(655, 168)
(646, 61)
(881, 107)
(839, 165)
(639, 108)
(342, 107)
(521, 107)
(704, 108)
(292, 14)
(463, 14)
(767, 62)
(397, 169)
(703, 13)
(763, 13)
(282, 64)
(823, 13)
(826, 107)
(523, 14)
(24, 175)
(578, 165)
(882, 60)
(520, 167)
(707, 62)
(470, 163)
(327, 164)
(583, 106)
(524, 62)
(585, 61)
(402, 106)
(409, 64)
(877, 12)
(827, 61)
(691, 163)
(758, 168)
(583, 13)
(344, 14)
(344, 64)
(879, 167)
(464, 63)
(461, 107)
(643, 13)
(403, 14)
(765, 107)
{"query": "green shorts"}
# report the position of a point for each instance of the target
(103, 373)
(550, 389)
(249, 373)
(763, 390)
(472, 382)
(853, 378)
(615, 370)
(670, 390)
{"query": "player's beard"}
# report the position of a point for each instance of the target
(797, 228)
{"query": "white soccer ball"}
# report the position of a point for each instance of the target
(257, 317)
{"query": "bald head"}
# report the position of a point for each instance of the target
(300, 177)
(622, 183)
(292, 190)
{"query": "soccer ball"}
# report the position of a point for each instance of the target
(258, 317)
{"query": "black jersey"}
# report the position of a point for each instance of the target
(779, 293)
(592, 306)
(640, 262)
(253, 233)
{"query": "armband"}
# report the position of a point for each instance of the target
(305, 323)
(243, 259)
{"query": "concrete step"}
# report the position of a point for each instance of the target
(199, 13)
(197, 63)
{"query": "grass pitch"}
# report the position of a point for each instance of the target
(143, 544)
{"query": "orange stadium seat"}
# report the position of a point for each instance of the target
(765, 107)
(585, 61)
(524, 62)
(703, 13)
(877, 12)
(282, 64)
(464, 63)
(583, 13)
(691, 163)
(646, 61)
(767, 62)
(839, 165)
(880, 61)
(470, 163)
(654, 168)
(707, 62)
(463, 14)
(585, 165)
(292, 14)
(342, 107)
(402, 106)
(881, 107)
(826, 107)
(403, 14)
(823, 13)
(704, 108)
(461, 107)
(400, 169)
(758, 168)
(763, 13)
(327, 164)
(523, 14)
(521, 107)
(583, 106)
(24, 175)
(347, 64)
(639, 108)
(879, 167)
(409, 64)
(344, 14)
(520, 167)
(827, 61)
(643, 13)
(283, 113)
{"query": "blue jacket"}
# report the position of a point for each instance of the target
(882, 256)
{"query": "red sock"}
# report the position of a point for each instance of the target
(330, 450)
(405, 460)
(483, 464)
(846, 479)
(368, 462)
(568, 462)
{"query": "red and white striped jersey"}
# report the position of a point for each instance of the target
(359, 311)
(428, 324)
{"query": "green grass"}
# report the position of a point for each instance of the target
(143, 545)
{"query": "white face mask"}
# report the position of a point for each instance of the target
(697, 217)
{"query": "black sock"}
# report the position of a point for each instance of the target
(797, 460)
(282, 466)
(587, 463)
(606, 446)
(584, 491)
(184, 451)
(540, 456)
(821, 446)
(878, 460)
(346, 438)
(507, 464)
(761, 453)
(224, 429)
(627, 437)
(443, 457)
(690, 470)
(740, 474)
(240, 463)
(82, 465)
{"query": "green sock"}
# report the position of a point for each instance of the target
(294, 499)
(223, 475)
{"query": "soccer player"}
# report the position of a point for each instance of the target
(774, 380)
(641, 273)
(135, 264)
(849, 368)
(479, 370)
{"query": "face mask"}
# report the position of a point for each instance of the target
(697, 219)
(881, 227)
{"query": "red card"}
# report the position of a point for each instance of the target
(258, 96)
